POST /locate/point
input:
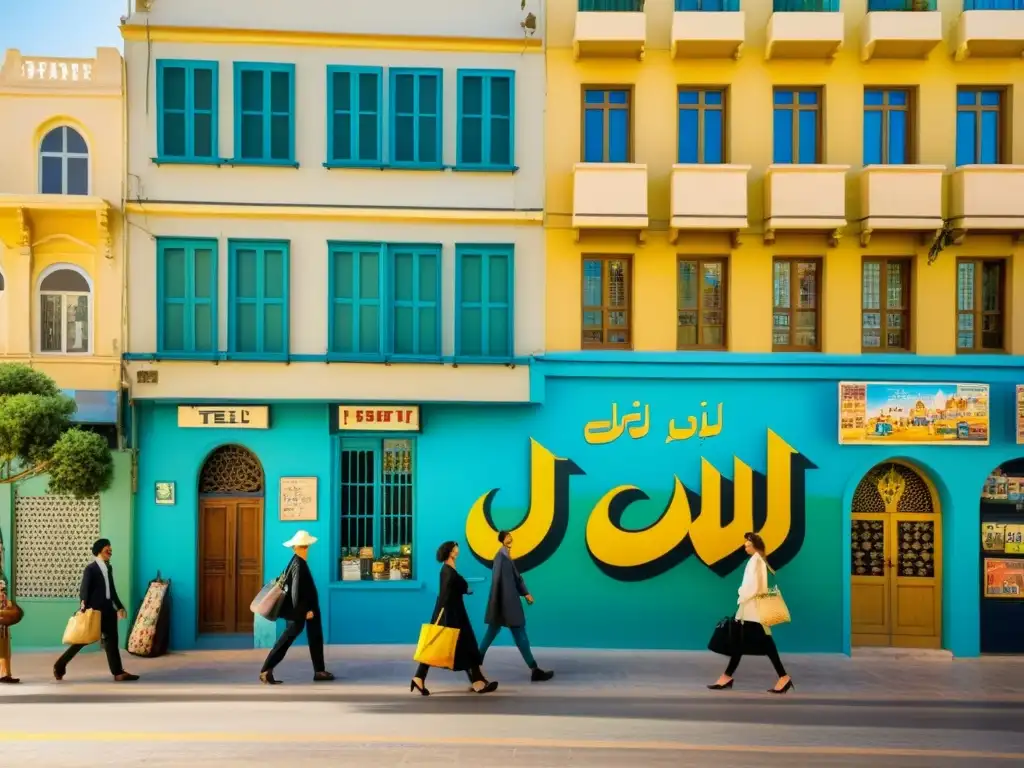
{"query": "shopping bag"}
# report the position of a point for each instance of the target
(436, 647)
(771, 608)
(268, 602)
(83, 628)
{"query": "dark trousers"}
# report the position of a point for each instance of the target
(518, 634)
(473, 673)
(108, 639)
(314, 636)
(770, 651)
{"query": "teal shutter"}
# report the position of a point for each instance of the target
(486, 119)
(172, 110)
(354, 326)
(265, 113)
(485, 300)
(258, 295)
(416, 289)
(354, 129)
(416, 118)
(186, 296)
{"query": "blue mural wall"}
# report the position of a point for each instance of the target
(485, 455)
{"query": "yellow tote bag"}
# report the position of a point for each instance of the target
(436, 647)
(83, 628)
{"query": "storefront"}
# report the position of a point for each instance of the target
(1002, 558)
(629, 487)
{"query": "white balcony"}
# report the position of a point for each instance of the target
(804, 35)
(708, 197)
(987, 197)
(610, 196)
(900, 34)
(805, 198)
(904, 198)
(990, 35)
(610, 34)
(708, 34)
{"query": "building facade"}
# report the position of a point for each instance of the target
(337, 250)
(61, 294)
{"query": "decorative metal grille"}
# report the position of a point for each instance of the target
(53, 538)
(917, 549)
(901, 483)
(867, 498)
(916, 495)
(868, 544)
(231, 469)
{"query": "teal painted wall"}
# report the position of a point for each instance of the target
(46, 618)
(465, 451)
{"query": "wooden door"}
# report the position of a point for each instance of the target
(870, 583)
(230, 563)
(915, 579)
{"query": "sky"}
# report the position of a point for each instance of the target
(60, 28)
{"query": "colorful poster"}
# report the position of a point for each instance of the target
(1004, 577)
(1014, 539)
(911, 414)
(993, 537)
(1020, 414)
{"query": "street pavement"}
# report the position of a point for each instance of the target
(602, 709)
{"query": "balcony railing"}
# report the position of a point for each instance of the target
(629, 6)
(901, 5)
(805, 6)
(708, 5)
(994, 5)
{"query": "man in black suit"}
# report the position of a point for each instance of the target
(99, 594)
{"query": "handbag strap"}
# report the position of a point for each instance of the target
(438, 622)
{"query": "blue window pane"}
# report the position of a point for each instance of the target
(714, 131)
(689, 97)
(966, 98)
(53, 176)
(898, 98)
(808, 137)
(77, 144)
(966, 138)
(618, 136)
(617, 97)
(594, 97)
(872, 137)
(897, 137)
(53, 141)
(808, 97)
(988, 99)
(873, 98)
(593, 136)
(713, 97)
(78, 176)
(783, 97)
(783, 136)
(688, 136)
(989, 137)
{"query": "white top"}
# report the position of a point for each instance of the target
(755, 582)
(106, 574)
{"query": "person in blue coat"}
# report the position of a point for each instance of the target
(505, 607)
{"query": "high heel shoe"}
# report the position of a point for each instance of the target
(414, 686)
(722, 687)
(491, 687)
(787, 687)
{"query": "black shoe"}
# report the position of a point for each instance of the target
(58, 673)
(267, 678)
(722, 687)
(784, 689)
(491, 687)
(8, 680)
(322, 677)
(539, 675)
(414, 686)
(126, 677)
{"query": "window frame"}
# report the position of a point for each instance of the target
(818, 307)
(606, 107)
(819, 124)
(417, 72)
(487, 76)
(485, 251)
(334, 247)
(90, 295)
(64, 156)
(266, 69)
(190, 244)
(354, 73)
(702, 108)
(191, 66)
(700, 261)
(604, 308)
(907, 264)
(909, 143)
(418, 249)
(260, 246)
(1003, 128)
(977, 313)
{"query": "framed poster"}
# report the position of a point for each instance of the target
(164, 494)
(993, 537)
(1004, 578)
(1019, 402)
(298, 499)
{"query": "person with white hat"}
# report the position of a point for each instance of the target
(301, 609)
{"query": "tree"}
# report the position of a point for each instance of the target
(36, 436)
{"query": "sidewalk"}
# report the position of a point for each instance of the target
(365, 671)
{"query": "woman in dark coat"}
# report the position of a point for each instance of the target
(449, 600)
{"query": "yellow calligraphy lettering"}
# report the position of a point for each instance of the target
(637, 432)
(604, 432)
(681, 434)
(710, 430)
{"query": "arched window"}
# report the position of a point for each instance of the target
(65, 316)
(63, 163)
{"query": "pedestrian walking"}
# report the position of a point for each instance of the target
(505, 607)
(98, 593)
(301, 609)
(450, 611)
(751, 638)
(10, 614)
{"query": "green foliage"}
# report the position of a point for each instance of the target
(17, 379)
(31, 424)
(80, 464)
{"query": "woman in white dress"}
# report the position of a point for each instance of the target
(756, 638)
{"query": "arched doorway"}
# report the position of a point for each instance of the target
(231, 488)
(896, 563)
(1002, 559)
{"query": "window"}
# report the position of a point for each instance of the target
(796, 305)
(980, 133)
(887, 127)
(63, 163)
(980, 314)
(361, 323)
(611, 5)
(700, 303)
(606, 134)
(416, 118)
(377, 498)
(186, 289)
(885, 305)
(486, 137)
(707, 5)
(484, 290)
(264, 114)
(606, 302)
(64, 312)
(797, 126)
(701, 126)
(994, 5)
(186, 106)
(354, 98)
(258, 298)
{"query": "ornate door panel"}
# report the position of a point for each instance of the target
(869, 581)
(917, 607)
(216, 566)
(248, 559)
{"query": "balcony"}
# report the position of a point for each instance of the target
(707, 29)
(990, 29)
(610, 29)
(709, 197)
(987, 197)
(900, 29)
(53, 75)
(610, 196)
(804, 29)
(904, 198)
(805, 198)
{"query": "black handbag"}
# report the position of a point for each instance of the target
(727, 637)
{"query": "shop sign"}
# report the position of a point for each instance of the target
(887, 413)
(379, 418)
(1004, 577)
(224, 416)
(297, 499)
(1020, 414)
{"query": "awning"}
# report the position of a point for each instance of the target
(95, 406)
